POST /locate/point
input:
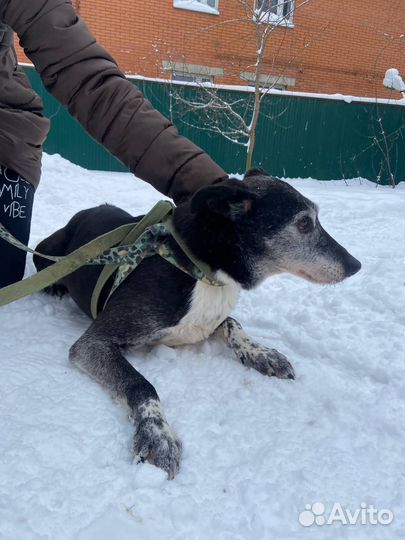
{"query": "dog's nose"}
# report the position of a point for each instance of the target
(352, 266)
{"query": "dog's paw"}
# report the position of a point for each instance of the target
(268, 362)
(156, 443)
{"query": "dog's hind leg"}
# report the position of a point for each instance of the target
(249, 353)
(99, 355)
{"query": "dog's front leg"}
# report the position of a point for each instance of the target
(266, 361)
(101, 358)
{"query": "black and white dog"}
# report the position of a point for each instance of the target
(246, 231)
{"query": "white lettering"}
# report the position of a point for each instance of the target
(6, 187)
(15, 210)
(372, 515)
(11, 176)
(352, 518)
(337, 514)
(13, 191)
(385, 516)
(364, 515)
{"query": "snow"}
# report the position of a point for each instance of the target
(256, 449)
(274, 91)
(393, 80)
(243, 88)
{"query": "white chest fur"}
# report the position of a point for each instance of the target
(209, 307)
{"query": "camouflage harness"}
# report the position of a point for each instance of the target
(131, 244)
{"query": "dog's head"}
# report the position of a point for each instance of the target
(262, 226)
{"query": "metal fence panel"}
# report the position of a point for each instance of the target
(296, 136)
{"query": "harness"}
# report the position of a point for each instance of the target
(120, 251)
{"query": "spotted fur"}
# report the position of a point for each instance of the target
(251, 354)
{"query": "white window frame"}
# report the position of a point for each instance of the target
(278, 82)
(197, 72)
(277, 18)
(182, 76)
(198, 5)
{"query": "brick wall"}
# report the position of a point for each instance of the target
(335, 46)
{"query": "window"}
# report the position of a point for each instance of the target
(204, 6)
(275, 11)
(211, 3)
(278, 82)
(191, 77)
(181, 71)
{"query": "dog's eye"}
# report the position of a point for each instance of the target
(305, 225)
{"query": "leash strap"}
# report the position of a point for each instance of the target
(8, 237)
(154, 241)
(157, 214)
(65, 265)
(204, 269)
(132, 244)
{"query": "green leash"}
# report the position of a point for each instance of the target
(132, 243)
(161, 210)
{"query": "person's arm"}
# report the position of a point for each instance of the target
(23, 128)
(85, 78)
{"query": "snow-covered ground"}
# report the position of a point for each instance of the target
(256, 449)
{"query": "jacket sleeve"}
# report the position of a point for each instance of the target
(23, 128)
(85, 78)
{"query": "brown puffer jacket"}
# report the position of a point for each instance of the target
(23, 129)
(84, 78)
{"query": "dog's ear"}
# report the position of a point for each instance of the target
(232, 202)
(256, 171)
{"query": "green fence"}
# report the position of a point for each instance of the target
(296, 136)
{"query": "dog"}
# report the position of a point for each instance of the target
(245, 231)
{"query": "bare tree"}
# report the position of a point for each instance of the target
(236, 120)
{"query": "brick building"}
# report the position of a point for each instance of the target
(327, 46)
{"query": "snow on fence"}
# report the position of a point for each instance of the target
(299, 135)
